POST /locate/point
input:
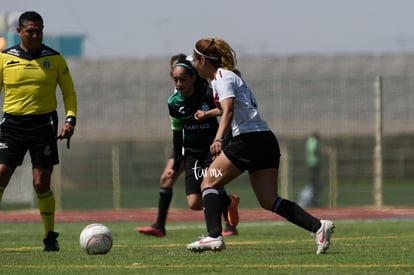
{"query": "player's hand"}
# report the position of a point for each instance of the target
(200, 115)
(215, 148)
(170, 173)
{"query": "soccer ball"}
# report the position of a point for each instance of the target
(96, 239)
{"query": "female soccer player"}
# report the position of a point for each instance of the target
(254, 148)
(195, 136)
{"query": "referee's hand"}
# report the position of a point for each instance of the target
(66, 133)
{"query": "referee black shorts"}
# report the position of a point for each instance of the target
(254, 151)
(34, 133)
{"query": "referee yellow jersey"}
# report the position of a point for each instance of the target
(30, 81)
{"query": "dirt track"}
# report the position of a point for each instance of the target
(149, 215)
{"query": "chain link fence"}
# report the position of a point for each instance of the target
(122, 108)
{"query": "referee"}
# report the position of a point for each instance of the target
(29, 75)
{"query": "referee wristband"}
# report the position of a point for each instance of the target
(71, 120)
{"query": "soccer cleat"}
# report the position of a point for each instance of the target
(207, 243)
(50, 243)
(151, 231)
(229, 231)
(323, 236)
(232, 211)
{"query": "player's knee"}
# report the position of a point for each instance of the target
(166, 182)
(195, 202)
(196, 206)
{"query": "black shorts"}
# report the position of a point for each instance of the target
(34, 133)
(254, 151)
(196, 165)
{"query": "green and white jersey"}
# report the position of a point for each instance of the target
(198, 135)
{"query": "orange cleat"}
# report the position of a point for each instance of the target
(233, 213)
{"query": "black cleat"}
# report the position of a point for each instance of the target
(50, 243)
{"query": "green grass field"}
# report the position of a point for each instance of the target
(358, 247)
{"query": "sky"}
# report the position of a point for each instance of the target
(159, 28)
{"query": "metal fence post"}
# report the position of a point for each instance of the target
(284, 173)
(116, 178)
(333, 177)
(378, 172)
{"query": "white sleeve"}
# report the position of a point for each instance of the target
(224, 87)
